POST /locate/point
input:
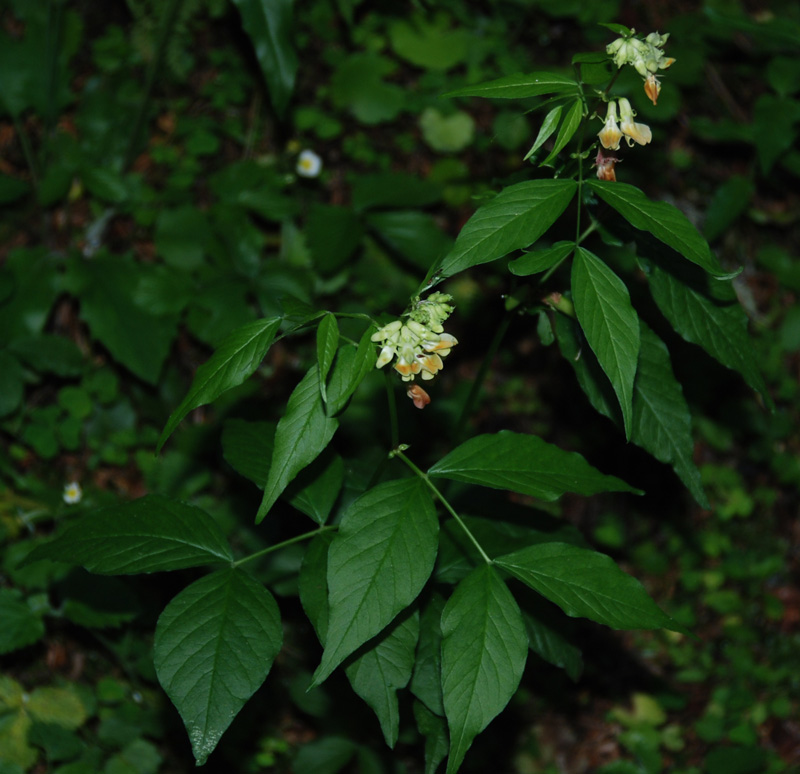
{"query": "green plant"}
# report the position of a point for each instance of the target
(407, 577)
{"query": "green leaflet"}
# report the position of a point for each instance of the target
(664, 221)
(214, 646)
(514, 219)
(710, 317)
(382, 666)
(237, 357)
(378, 563)
(570, 124)
(269, 26)
(327, 341)
(611, 325)
(519, 86)
(661, 419)
(549, 125)
(524, 464)
(541, 260)
(586, 584)
(302, 433)
(151, 534)
(484, 648)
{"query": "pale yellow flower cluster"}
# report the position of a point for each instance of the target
(612, 133)
(645, 56)
(420, 343)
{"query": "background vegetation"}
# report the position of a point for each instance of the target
(152, 203)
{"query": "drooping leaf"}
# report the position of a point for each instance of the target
(661, 419)
(570, 124)
(586, 584)
(519, 86)
(525, 464)
(611, 325)
(21, 625)
(378, 563)
(711, 317)
(237, 357)
(268, 23)
(541, 260)
(549, 125)
(664, 221)
(151, 534)
(382, 666)
(484, 648)
(214, 646)
(426, 681)
(434, 728)
(514, 219)
(313, 584)
(302, 433)
(327, 341)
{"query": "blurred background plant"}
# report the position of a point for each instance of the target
(152, 202)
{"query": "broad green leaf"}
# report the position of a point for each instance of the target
(237, 357)
(49, 353)
(541, 260)
(447, 133)
(434, 728)
(380, 667)
(611, 325)
(514, 219)
(332, 234)
(519, 86)
(525, 464)
(664, 221)
(214, 646)
(326, 755)
(710, 317)
(484, 647)
(586, 584)
(378, 563)
(661, 419)
(268, 23)
(247, 448)
(31, 285)
(151, 534)
(135, 337)
(549, 125)
(349, 369)
(730, 200)
(327, 342)
(426, 681)
(21, 626)
(774, 131)
(570, 124)
(413, 234)
(302, 433)
(59, 706)
(429, 44)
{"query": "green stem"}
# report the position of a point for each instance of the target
(170, 16)
(289, 542)
(398, 452)
(469, 403)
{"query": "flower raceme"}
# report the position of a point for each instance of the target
(420, 343)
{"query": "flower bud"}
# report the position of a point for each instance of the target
(652, 87)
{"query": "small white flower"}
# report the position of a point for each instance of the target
(308, 164)
(72, 493)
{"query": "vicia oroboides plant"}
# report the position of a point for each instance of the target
(406, 588)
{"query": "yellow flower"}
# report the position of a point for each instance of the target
(637, 132)
(610, 135)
